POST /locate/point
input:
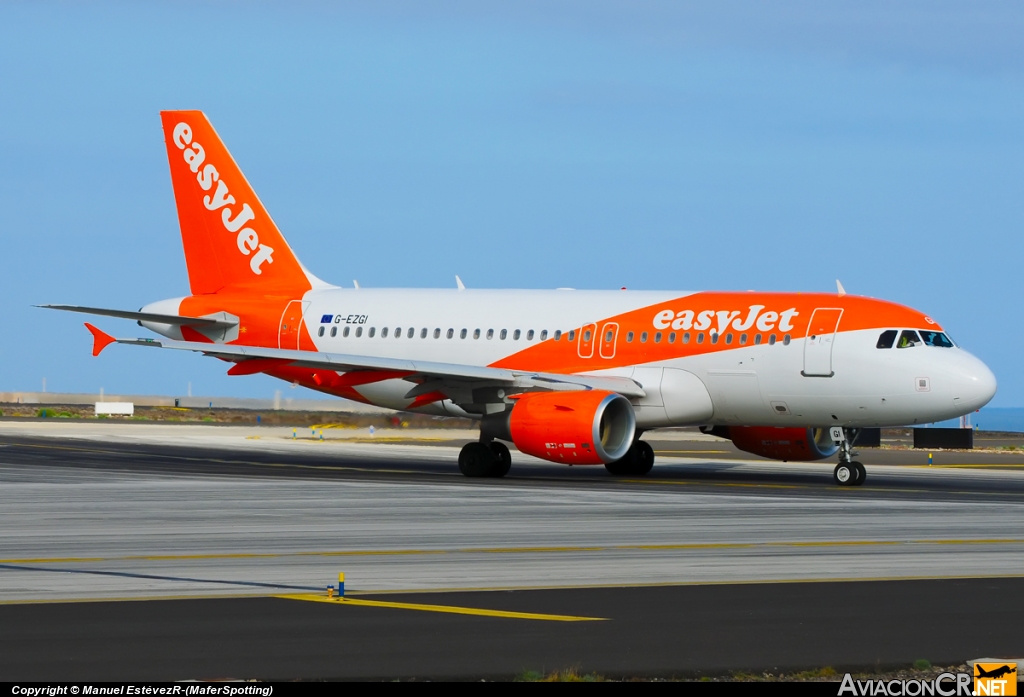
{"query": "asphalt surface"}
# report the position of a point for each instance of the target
(662, 631)
(683, 565)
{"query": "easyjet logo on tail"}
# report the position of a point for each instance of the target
(705, 319)
(246, 239)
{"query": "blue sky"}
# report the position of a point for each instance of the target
(654, 145)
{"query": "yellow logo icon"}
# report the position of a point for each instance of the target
(995, 679)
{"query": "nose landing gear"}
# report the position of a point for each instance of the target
(848, 472)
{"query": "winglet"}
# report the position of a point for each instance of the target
(459, 284)
(100, 339)
(840, 289)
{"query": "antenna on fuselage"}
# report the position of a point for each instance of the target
(356, 284)
(840, 289)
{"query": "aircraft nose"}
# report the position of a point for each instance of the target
(974, 385)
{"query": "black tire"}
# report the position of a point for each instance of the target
(476, 460)
(623, 466)
(644, 458)
(862, 473)
(502, 457)
(845, 474)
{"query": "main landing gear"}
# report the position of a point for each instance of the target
(485, 459)
(848, 472)
(637, 461)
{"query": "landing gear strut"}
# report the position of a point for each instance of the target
(637, 461)
(485, 459)
(848, 472)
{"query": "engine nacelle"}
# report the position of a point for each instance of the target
(585, 427)
(779, 443)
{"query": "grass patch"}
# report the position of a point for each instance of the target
(566, 675)
(922, 664)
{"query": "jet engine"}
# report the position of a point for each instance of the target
(585, 427)
(778, 443)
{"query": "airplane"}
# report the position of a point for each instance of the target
(569, 376)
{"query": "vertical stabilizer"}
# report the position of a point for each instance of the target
(229, 238)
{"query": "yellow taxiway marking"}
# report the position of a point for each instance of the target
(450, 609)
(565, 549)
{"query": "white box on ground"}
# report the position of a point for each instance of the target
(115, 408)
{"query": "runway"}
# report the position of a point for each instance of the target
(176, 511)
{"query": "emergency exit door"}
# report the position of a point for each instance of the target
(821, 335)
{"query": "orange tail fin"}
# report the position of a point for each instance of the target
(100, 339)
(230, 240)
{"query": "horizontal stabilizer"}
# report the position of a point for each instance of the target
(179, 320)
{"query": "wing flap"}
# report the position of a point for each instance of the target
(179, 320)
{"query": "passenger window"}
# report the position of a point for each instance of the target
(586, 335)
(629, 338)
(887, 339)
(672, 338)
(743, 339)
(657, 338)
(714, 337)
(529, 335)
(785, 340)
(700, 338)
(544, 335)
(771, 340)
(344, 333)
(321, 332)
(334, 332)
(384, 333)
(398, 332)
(476, 333)
(359, 332)
(608, 337)
(373, 330)
(757, 339)
(643, 338)
(908, 338)
(515, 335)
(504, 333)
(558, 334)
(451, 333)
(728, 338)
(412, 333)
(437, 333)
(936, 339)
(463, 333)
(490, 334)
(572, 334)
(423, 333)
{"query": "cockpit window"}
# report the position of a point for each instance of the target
(887, 339)
(936, 339)
(908, 338)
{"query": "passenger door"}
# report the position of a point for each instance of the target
(291, 323)
(821, 333)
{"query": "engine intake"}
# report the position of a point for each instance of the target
(586, 427)
(778, 443)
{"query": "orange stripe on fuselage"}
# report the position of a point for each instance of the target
(731, 313)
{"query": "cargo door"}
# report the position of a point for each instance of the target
(821, 334)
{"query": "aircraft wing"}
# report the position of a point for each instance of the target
(430, 374)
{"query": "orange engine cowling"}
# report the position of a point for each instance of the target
(586, 427)
(779, 443)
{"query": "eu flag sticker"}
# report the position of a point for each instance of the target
(326, 319)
